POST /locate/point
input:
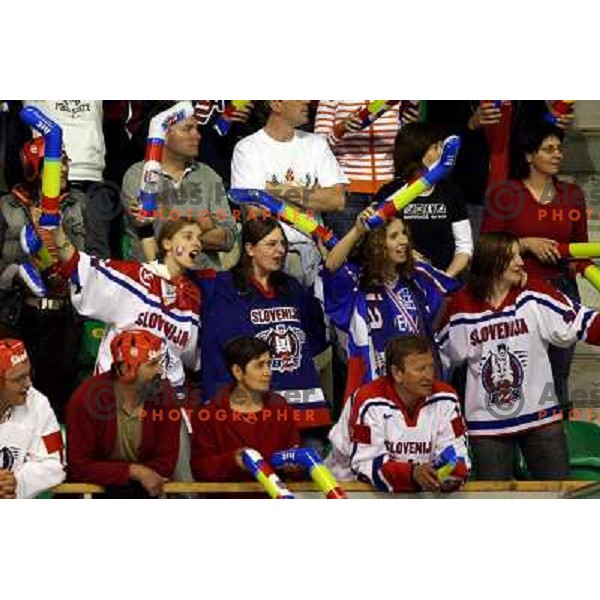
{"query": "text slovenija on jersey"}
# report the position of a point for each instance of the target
(130, 295)
(376, 439)
(509, 380)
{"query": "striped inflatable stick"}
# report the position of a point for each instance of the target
(52, 134)
(414, 188)
(558, 108)
(264, 474)
(375, 109)
(592, 274)
(280, 210)
(319, 473)
(449, 466)
(151, 172)
(223, 122)
(580, 250)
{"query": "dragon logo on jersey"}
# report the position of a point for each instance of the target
(8, 457)
(502, 375)
(286, 346)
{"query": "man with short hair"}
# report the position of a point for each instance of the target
(123, 426)
(297, 167)
(190, 190)
(392, 430)
(242, 415)
(30, 439)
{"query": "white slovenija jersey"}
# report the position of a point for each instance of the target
(509, 382)
(31, 446)
(376, 439)
(131, 295)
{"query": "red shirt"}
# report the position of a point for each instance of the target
(92, 432)
(512, 208)
(220, 431)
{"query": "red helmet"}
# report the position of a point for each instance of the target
(12, 353)
(32, 157)
(133, 348)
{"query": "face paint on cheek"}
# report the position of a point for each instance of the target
(179, 251)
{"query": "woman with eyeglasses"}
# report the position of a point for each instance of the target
(257, 298)
(542, 211)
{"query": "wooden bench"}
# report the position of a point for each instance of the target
(493, 488)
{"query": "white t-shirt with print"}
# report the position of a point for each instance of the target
(306, 160)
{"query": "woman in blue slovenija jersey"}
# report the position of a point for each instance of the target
(257, 298)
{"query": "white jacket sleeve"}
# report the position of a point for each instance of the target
(338, 461)
(369, 453)
(452, 343)
(94, 292)
(43, 468)
(563, 323)
(452, 431)
(463, 237)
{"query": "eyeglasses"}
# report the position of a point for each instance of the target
(274, 245)
(551, 149)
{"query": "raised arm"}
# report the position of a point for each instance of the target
(339, 253)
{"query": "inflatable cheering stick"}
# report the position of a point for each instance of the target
(580, 250)
(413, 189)
(375, 109)
(450, 467)
(319, 473)
(223, 123)
(264, 474)
(558, 108)
(590, 271)
(292, 216)
(583, 251)
(367, 114)
(52, 134)
(151, 172)
(30, 272)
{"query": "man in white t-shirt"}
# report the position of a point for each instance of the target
(296, 166)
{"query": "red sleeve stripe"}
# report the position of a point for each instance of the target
(458, 426)
(53, 442)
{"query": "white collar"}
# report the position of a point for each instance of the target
(159, 269)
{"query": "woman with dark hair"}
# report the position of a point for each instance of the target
(257, 298)
(438, 219)
(501, 325)
(245, 414)
(542, 212)
(386, 294)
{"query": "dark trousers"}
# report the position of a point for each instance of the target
(561, 358)
(544, 450)
(52, 339)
